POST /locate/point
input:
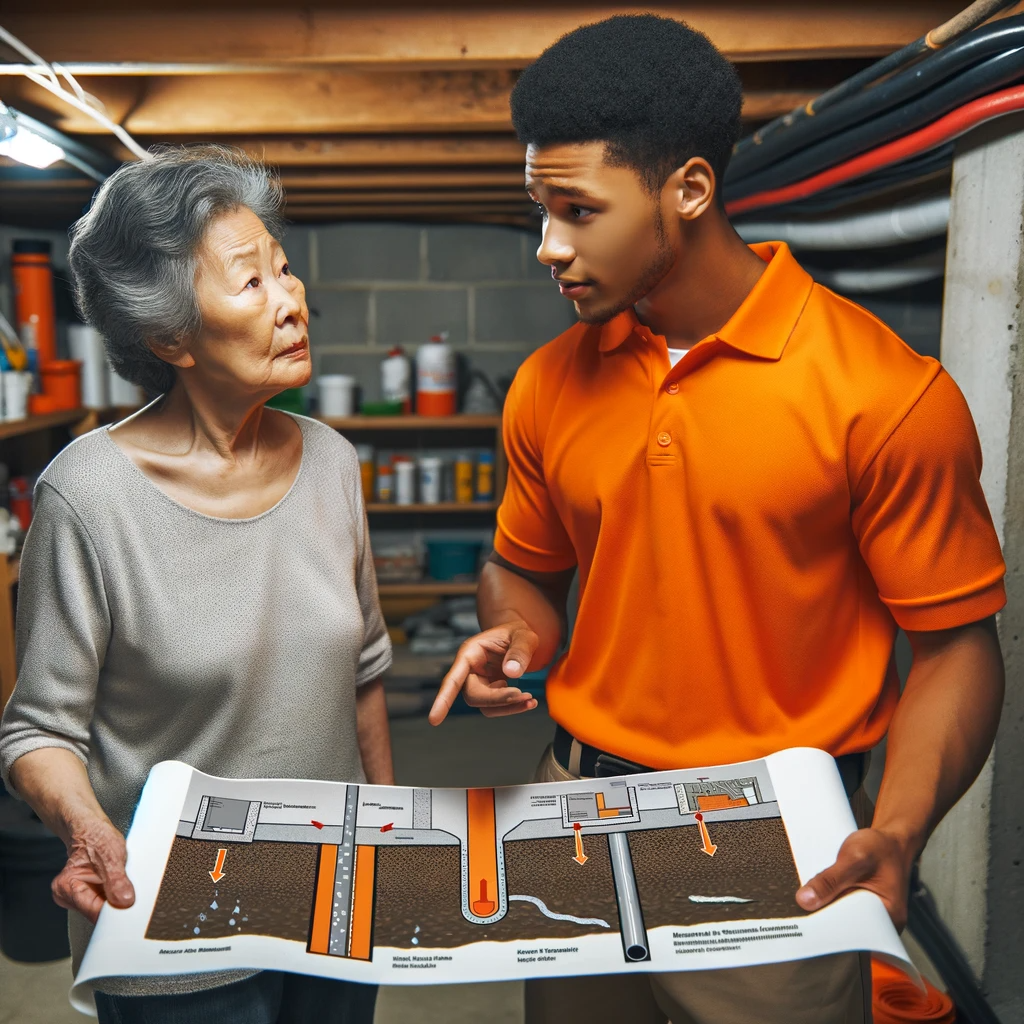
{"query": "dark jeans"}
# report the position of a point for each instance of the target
(269, 997)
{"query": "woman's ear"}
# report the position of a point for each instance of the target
(691, 188)
(174, 352)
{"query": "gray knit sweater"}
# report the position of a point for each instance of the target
(148, 631)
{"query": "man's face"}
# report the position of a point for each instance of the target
(604, 236)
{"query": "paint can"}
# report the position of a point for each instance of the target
(86, 344)
(485, 477)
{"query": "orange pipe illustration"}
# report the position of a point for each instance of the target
(482, 854)
(320, 933)
(361, 932)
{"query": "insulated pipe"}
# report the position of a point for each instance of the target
(927, 74)
(908, 223)
(880, 279)
(972, 16)
(994, 73)
(631, 918)
(954, 124)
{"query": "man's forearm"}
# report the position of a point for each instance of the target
(504, 596)
(374, 734)
(942, 731)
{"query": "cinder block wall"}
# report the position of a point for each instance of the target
(372, 286)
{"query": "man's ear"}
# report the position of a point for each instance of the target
(690, 189)
(174, 352)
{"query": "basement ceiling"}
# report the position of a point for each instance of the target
(401, 113)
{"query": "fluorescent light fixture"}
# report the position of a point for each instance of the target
(28, 148)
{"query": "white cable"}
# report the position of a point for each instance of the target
(910, 222)
(45, 76)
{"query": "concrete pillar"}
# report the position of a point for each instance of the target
(973, 862)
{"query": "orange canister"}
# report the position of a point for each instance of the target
(62, 381)
(34, 308)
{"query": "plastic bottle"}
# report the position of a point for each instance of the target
(395, 379)
(405, 481)
(464, 478)
(366, 471)
(430, 479)
(384, 481)
(485, 477)
(34, 309)
(435, 378)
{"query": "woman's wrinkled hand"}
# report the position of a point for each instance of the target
(95, 871)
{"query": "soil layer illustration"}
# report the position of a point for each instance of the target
(409, 869)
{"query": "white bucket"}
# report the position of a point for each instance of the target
(337, 394)
(86, 344)
(16, 387)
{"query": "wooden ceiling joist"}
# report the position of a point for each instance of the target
(446, 39)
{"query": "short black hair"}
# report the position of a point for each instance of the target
(654, 90)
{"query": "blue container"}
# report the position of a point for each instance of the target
(452, 559)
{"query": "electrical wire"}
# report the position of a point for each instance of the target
(946, 128)
(939, 37)
(995, 73)
(966, 52)
(48, 76)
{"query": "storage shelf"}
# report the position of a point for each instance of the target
(444, 506)
(32, 424)
(467, 422)
(426, 588)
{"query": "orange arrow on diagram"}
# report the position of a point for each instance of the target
(218, 869)
(709, 847)
(581, 857)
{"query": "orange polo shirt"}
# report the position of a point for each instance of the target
(750, 526)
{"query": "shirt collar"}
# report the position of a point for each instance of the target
(765, 319)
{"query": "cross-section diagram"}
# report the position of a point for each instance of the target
(403, 868)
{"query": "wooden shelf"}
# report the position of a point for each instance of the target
(32, 424)
(467, 422)
(445, 506)
(426, 588)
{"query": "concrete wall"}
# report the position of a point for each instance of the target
(371, 286)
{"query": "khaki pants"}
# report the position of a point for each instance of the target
(824, 990)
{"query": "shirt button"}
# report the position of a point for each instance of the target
(664, 439)
(673, 388)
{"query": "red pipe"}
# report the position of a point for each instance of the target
(955, 123)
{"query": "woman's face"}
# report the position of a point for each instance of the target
(255, 321)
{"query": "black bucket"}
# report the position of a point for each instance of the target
(33, 929)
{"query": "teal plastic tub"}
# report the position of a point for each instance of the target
(449, 560)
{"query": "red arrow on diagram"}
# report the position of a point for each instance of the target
(388, 827)
(317, 824)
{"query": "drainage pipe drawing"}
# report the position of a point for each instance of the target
(484, 896)
(631, 920)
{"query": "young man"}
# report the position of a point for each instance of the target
(757, 482)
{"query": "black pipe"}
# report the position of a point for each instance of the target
(939, 37)
(966, 52)
(995, 73)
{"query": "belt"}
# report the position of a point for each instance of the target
(598, 764)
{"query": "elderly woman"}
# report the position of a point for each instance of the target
(197, 582)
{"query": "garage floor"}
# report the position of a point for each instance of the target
(468, 750)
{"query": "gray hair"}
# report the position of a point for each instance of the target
(133, 254)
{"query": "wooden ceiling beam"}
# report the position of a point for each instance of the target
(460, 38)
(416, 196)
(327, 102)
